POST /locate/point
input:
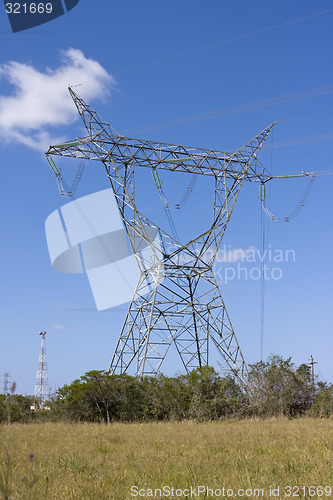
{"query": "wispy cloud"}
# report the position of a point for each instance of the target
(40, 100)
(235, 254)
(57, 326)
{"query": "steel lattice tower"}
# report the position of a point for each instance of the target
(41, 387)
(184, 306)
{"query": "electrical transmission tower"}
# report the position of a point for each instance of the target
(41, 387)
(177, 300)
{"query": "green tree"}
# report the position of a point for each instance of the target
(278, 388)
(164, 398)
(15, 408)
(211, 396)
(71, 403)
(99, 396)
(323, 404)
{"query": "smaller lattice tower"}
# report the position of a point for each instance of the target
(41, 387)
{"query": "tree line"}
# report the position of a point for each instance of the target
(275, 387)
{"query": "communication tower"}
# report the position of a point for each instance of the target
(41, 387)
(5, 383)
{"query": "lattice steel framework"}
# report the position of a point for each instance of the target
(42, 384)
(184, 306)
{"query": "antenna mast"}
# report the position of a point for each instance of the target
(5, 383)
(41, 387)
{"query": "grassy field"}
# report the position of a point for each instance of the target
(91, 461)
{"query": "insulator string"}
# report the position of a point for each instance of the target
(295, 211)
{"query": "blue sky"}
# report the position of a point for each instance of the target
(212, 75)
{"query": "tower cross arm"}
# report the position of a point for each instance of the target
(105, 144)
(162, 156)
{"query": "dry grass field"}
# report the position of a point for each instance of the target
(249, 459)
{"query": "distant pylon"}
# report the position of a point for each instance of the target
(5, 383)
(312, 363)
(41, 387)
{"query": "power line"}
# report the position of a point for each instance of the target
(262, 288)
(167, 206)
(239, 108)
(301, 140)
(223, 42)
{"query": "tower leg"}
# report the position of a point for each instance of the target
(145, 337)
(186, 311)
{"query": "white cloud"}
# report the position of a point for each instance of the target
(41, 100)
(236, 254)
(57, 326)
